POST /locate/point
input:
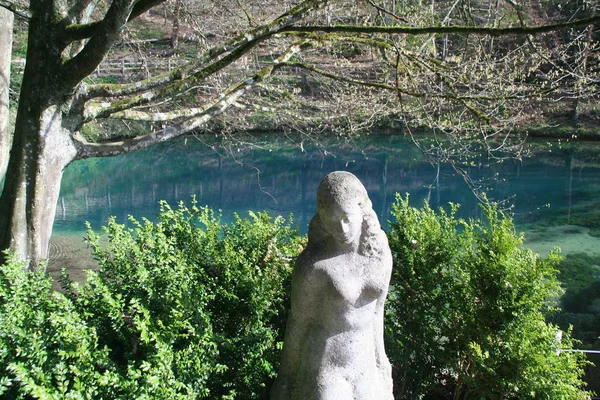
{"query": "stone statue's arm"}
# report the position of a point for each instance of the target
(285, 382)
(382, 360)
(383, 363)
(295, 332)
(386, 272)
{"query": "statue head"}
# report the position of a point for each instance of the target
(344, 209)
(341, 199)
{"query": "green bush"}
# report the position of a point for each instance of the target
(182, 308)
(466, 311)
(579, 275)
(187, 308)
(47, 350)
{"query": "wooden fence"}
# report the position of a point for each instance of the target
(152, 66)
(137, 66)
(120, 67)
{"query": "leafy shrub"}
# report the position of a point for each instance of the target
(189, 308)
(579, 275)
(466, 311)
(182, 308)
(581, 302)
(212, 293)
(47, 350)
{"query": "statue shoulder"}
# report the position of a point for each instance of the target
(307, 264)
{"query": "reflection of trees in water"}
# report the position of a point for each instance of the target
(281, 176)
(239, 178)
(572, 170)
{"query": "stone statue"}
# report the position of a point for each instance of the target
(333, 345)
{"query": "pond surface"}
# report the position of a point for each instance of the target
(554, 194)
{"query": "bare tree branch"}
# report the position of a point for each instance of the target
(385, 11)
(202, 115)
(86, 31)
(106, 109)
(491, 31)
(95, 50)
(241, 44)
(420, 94)
(18, 9)
(80, 8)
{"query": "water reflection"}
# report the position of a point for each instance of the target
(281, 174)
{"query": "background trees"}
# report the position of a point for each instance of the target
(462, 67)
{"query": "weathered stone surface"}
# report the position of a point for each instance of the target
(333, 346)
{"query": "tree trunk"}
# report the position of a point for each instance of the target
(175, 31)
(6, 28)
(42, 147)
(41, 150)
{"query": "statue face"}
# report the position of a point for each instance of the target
(342, 221)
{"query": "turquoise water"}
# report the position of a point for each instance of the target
(553, 194)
